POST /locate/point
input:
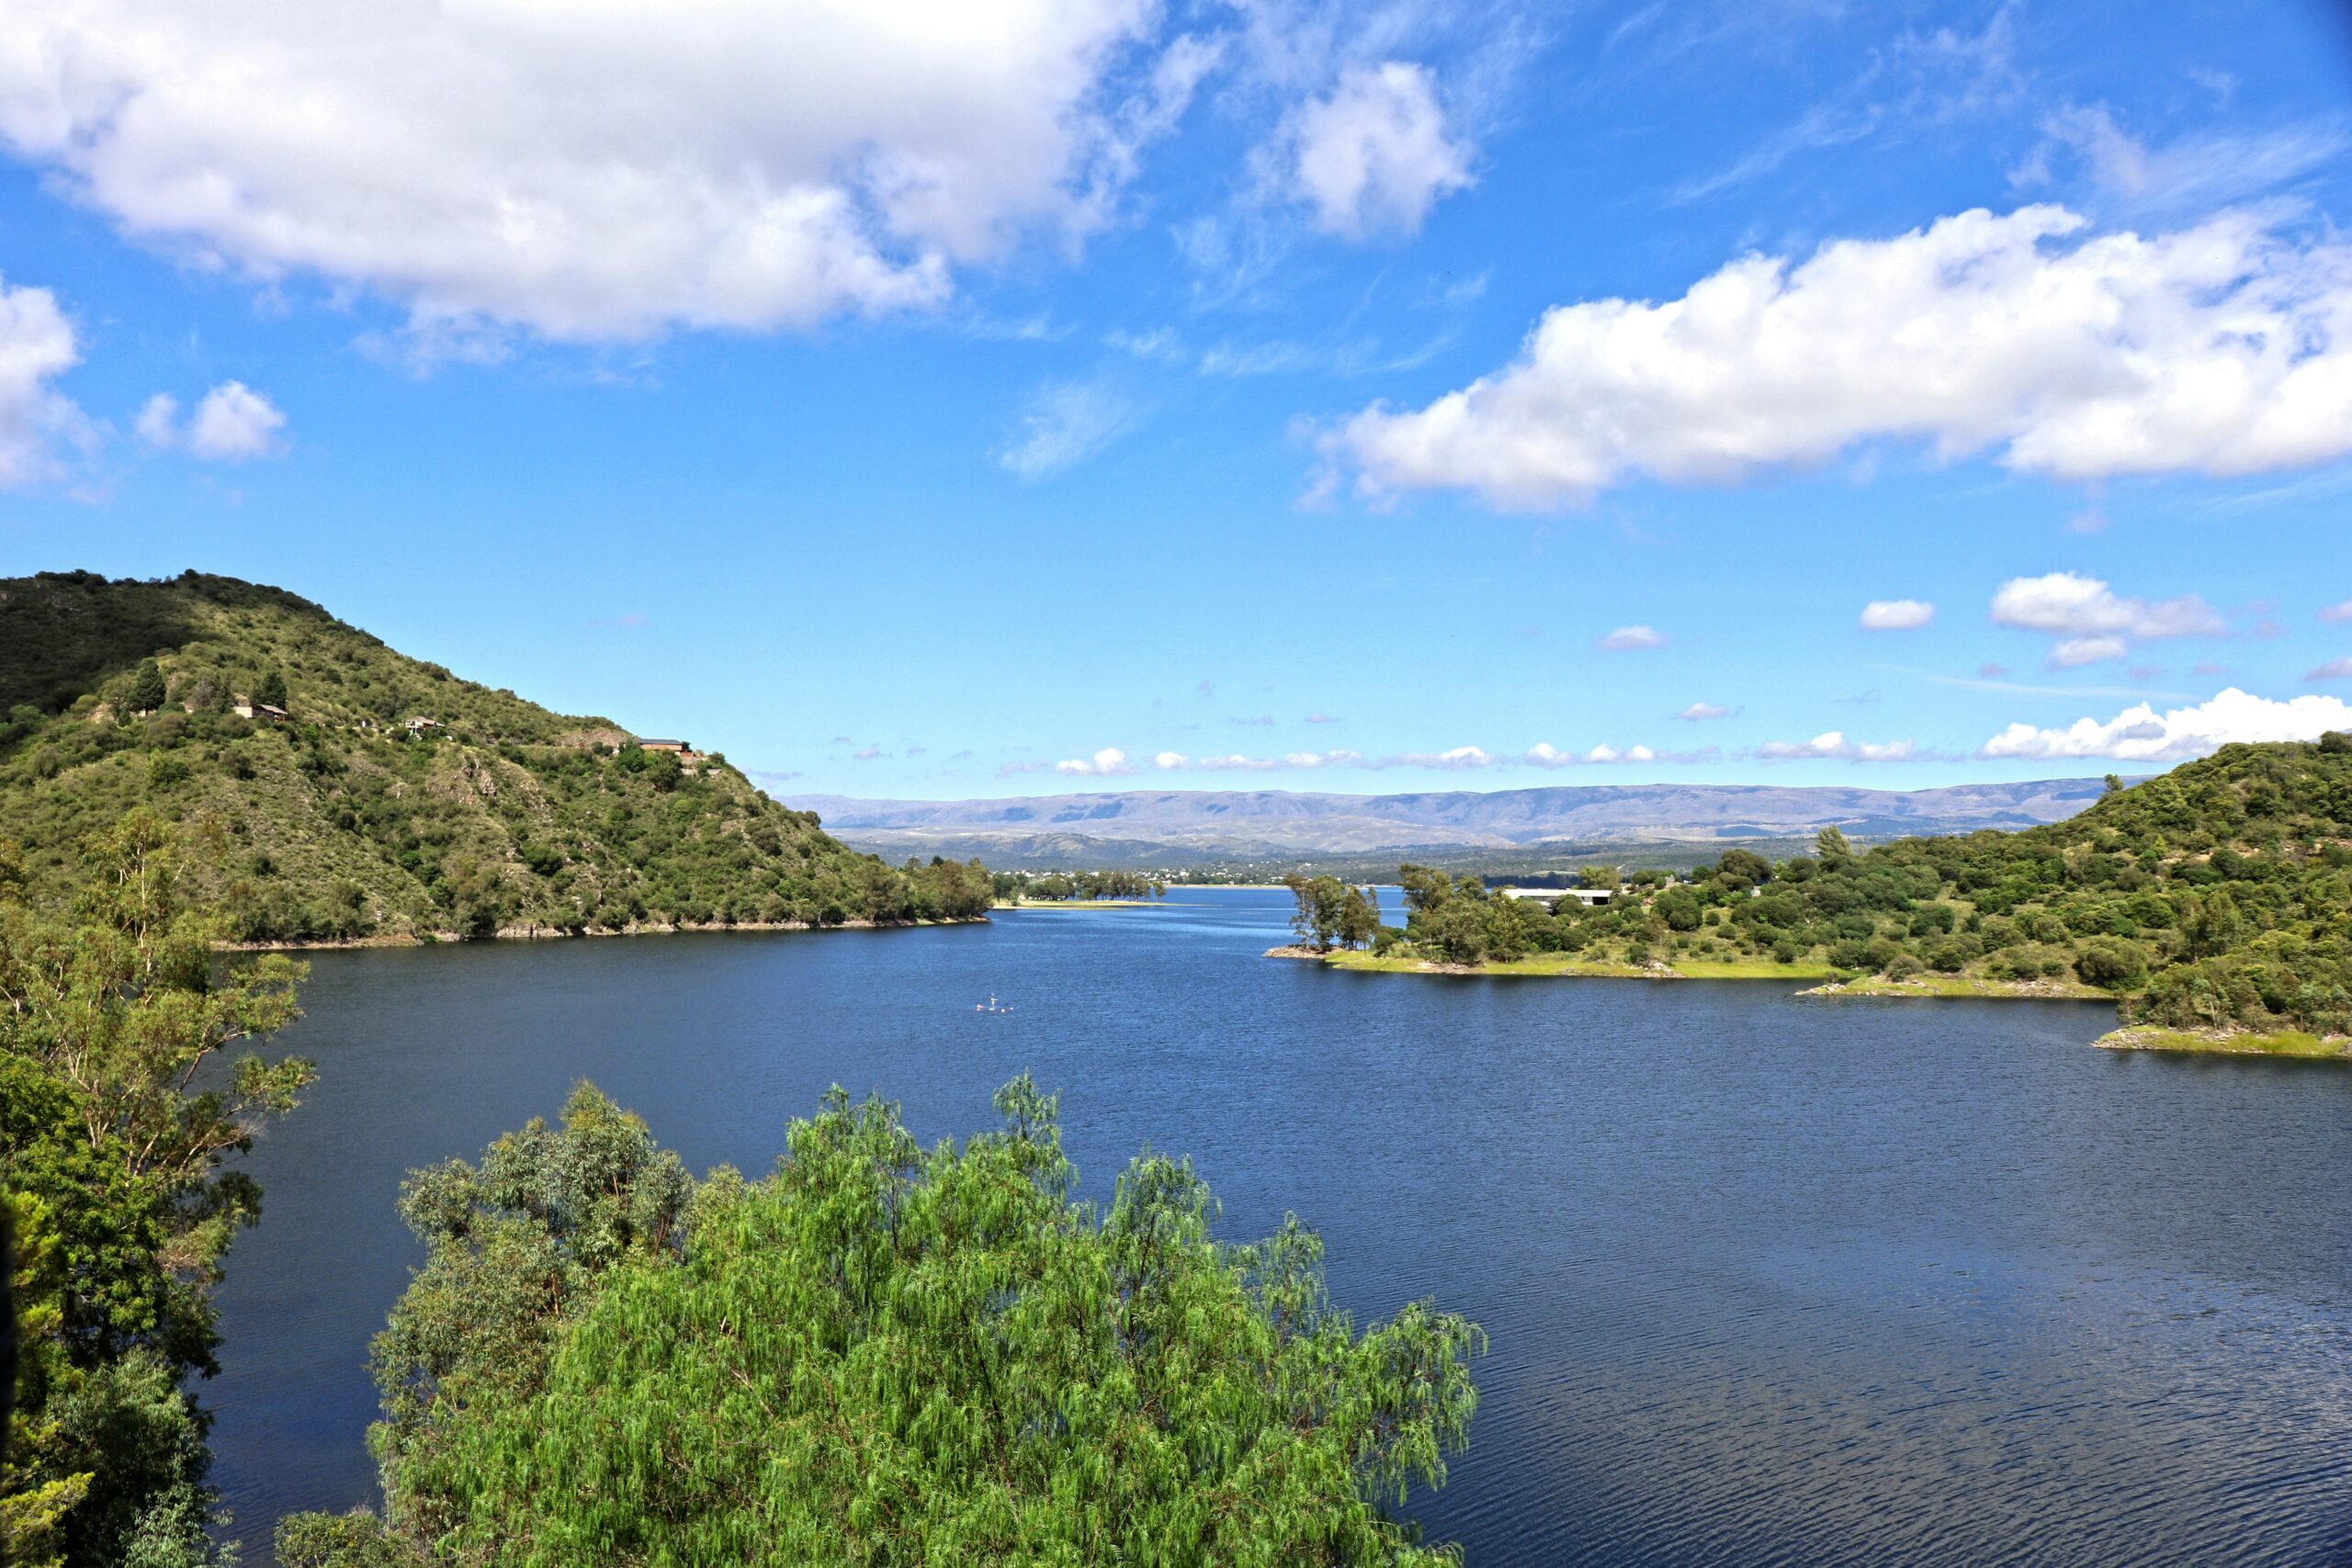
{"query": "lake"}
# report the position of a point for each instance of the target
(1768, 1278)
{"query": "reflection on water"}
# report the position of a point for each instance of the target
(1768, 1280)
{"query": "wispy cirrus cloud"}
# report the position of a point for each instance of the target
(1064, 423)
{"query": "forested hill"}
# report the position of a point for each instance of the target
(346, 818)
(2216, 897)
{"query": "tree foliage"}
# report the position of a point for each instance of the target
(888, 1354)
(2217, 895)
(117, 1171)
(342, 822)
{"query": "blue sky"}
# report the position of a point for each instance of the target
(1009, 397)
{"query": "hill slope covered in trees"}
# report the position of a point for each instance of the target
(2217, 896)
(341, 821)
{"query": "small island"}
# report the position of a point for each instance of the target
(2212, 906)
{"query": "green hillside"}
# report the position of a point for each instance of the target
(341, 821)
(2217, 896)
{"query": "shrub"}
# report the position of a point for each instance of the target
(2111, 966)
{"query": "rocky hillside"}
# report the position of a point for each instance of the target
(323, 785)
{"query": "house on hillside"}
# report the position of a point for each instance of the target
(1555, 897)
(679, 749)
(260, 712)
(419, 724)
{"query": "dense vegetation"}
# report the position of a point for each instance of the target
(1082, 886)
(343, 821)
(121, 1189)
(881, 1354)
(2218, 896)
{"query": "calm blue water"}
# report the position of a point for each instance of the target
(1768, 1280)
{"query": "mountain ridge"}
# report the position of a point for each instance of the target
(1259, 823)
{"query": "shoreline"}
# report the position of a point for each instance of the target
(556, 933)
(2289, 1044)
(1828, 983)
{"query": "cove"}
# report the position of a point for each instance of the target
(1768, 1278)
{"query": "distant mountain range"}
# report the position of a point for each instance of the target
(1171, 827)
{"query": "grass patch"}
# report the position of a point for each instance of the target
(1574, 967)
(1967, 986)
(2229, 1042)
(1753, 970)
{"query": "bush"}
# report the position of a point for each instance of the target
(2111, 966)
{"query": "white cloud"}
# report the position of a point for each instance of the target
(1833, 744)
(2074, 652)
(1065, 423)
(1374, 154)
(2337, 615)
(2223, 349)
(36, 346)
(1176, 762)
(2140, 734)
(1544, 755)
(2069, 603)
(1627, 639)
(2333, 670)
(1896, 615)
(594, 171)
(1108, 762)
(232, 424)
(1698, 713)
(2196, 173)
(1459, 757)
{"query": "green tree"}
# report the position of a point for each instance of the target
(120, 1183)
(272, 689)
(1359, 917)
(147, 692)
(514, 1243)
(884, 1354)
(1830, 847)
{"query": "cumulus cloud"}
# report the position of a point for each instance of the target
(2140, 734)
(232, 424)
(599, 172)
(2223, 349)
(1065, 423)
(36, 346)
(2337, 615)
(1104, 763)
(1628, 638)
(1698, 713)
(1374, 154)
(1896, 615)
(2069, 603)
(2333, 670)
(1831, 743)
